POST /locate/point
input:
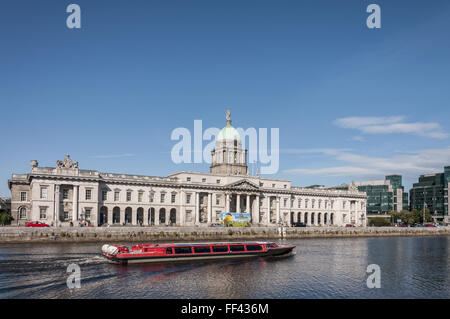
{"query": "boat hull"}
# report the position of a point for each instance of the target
(279, 251)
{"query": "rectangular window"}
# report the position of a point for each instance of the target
(66, 215)
(188, 198)
(87, 214)
(23, 196)
(217, 199)
(203, 180)
(188, 179)
(88, 194)
(152, 197)
(128, 196)
(173, 198)
(188, 216)
(183, 250)
(163, 197)
(218, 181)
(116, 196)
(140, 194)
(65, 194)
(202, 250)
(220, 249)
(43, 192)
(285, 202)
(254, 247)
(237, 248)
(43, 213)
(104, 195)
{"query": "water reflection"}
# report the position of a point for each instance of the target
(411, 267)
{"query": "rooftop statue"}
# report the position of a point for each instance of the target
(67, 163)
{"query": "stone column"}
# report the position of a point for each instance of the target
(197, 210)
(75, 204)
(209, 208)
(227, 202)
(268, 210)
(57, 204)
(122, 216)
(110, 216)
(256, 211)
(238, 203)
(133, 216)
(156, 216)
(145, 221)
(182, 208)
(247, 204)
(278, 209)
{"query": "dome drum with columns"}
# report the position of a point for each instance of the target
(228, 157)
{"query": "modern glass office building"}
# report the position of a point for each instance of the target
(431, 191)
(383, 196)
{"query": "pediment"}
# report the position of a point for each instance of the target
(243, 183)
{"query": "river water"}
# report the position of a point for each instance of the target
(411, 267)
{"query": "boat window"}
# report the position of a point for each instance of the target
(237, 248)
(202, 249)
(220, 249)
(169, 251)
(254, 247)
(183, 250)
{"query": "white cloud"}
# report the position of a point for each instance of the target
(391, 124)
(411, 164)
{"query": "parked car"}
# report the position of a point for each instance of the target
(36, 224)
(216, 225)
(429, 225)
(349, 225)
(298, 224)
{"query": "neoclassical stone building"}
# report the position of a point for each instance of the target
(65, 193)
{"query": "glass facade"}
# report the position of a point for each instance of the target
(431, 191)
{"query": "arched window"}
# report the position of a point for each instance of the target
(22, 213)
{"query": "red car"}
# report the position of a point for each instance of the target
(349, 225)
(36, 224)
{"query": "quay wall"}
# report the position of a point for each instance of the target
(147, 234)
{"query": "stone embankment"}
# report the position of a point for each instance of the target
(146, 234)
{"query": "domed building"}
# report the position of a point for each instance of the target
(68, 195)
(228, 157)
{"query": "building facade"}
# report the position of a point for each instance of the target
(65, 194)
(383, 196)
(431, 191)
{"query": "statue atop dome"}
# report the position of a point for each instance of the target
(228, 117)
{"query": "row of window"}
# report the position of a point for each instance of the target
(43, 213)
(214, 249)
(88, 196)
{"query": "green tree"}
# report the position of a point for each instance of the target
(5, 218)
(411, 217)
(379, 222)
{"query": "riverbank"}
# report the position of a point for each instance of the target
(146, 234)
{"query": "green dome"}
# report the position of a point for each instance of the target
(228, 133)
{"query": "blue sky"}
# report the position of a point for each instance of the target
(351, 103)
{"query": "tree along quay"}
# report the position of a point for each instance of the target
(146, 234)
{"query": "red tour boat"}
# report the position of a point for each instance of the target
(193, 251)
